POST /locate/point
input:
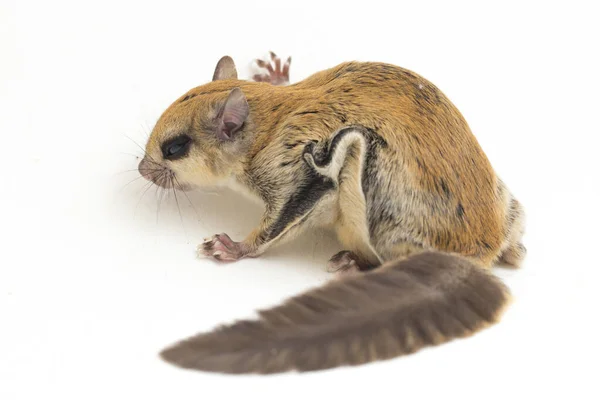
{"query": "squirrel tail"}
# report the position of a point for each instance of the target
(403, 306)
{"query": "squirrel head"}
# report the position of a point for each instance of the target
(201, 139)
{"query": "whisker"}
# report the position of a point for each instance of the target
(160, 191)
(178, 208)
(146, 155)
(136, 143)
(135, 170)
(147, 187)
(150, 160)
(188, 199)
(129, 183)
(129, 154)
(148, 129)
(123, 172)
(143, 128)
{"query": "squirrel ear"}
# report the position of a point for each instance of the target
(225, 69)
(233, 114)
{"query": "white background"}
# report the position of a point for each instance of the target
(94, 281)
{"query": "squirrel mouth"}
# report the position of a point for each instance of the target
(160, 175)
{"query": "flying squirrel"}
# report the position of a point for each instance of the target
(379, 155)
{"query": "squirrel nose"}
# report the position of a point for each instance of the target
(146, 169)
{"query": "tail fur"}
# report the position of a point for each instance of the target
(427, 299)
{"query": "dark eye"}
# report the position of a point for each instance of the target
(176, 147)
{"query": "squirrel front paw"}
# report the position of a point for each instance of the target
(222, 248)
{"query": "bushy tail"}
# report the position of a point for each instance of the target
(398, 309)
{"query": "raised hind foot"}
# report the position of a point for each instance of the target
(276, 73)
(346, 263)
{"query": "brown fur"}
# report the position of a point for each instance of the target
(380, 155)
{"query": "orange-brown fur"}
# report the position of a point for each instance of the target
(416, 125)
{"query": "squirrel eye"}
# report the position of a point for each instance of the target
(176, 147)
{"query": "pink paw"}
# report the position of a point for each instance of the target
(222, 248)
(276, 73)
